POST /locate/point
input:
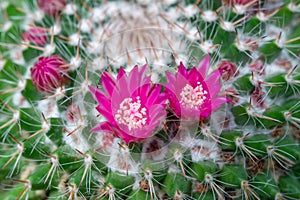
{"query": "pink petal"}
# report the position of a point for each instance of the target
(157, 113)
(119, 96)
(204, 65)
(143, 92)
(122, 87)
(128, 138)
(96, 93)
(213, 83)
(134, 79)
(194, 76)
(106, 112)
(108, 83)
(170, 78)
(154, 94)
(103, 126)
(182, 70)
(142, 71)
(121, 73)
(146, 80)
(217, 102)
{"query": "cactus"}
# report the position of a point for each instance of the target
(149, 99)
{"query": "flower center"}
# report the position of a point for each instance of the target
(132, 114)
(191, 97)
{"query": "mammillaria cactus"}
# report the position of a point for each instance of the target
(149, 99)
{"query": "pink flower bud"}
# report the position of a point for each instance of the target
(48, 74)
(228, 69)
(36, 35)
(52, 7)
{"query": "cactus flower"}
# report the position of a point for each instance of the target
(52, 7)
(192, 93)
(48, 74)
(36, 35)
(132, 105)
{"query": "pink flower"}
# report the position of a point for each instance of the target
(48, 74)
(193, 95)
(132, 105)
(36, 35)
(52, 7)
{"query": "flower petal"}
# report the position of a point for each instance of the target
(194, 76)
(106, 112)
(121, 73)
(134, 79)
(170, 78)
(204, 65)
(97, 94)
(153, 95)
(217, 102)
(108, 83)
(182, 70)
(213, 83)
(103, 126)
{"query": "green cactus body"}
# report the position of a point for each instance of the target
(149, 99)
